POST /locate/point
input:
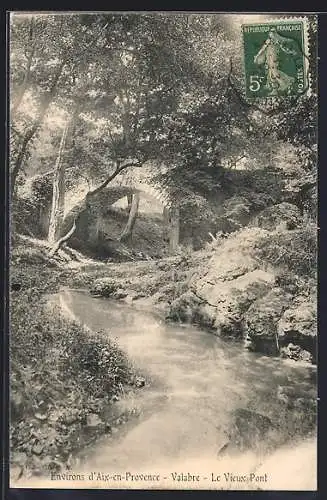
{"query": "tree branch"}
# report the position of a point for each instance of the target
(118, 170)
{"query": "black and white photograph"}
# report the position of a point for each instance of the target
(163, 250)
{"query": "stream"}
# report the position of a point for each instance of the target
(197, 384)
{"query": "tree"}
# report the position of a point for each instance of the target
(131, 102)
(128, 230)
(57, 42)
(58, 196)
(149, 87)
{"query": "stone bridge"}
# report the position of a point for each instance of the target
(138, 179)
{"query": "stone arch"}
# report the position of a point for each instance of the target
(156, 192)
(114, 192)
(170, 213)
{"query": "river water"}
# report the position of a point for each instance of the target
(197, 384)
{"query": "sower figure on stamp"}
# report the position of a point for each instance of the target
(277, 80)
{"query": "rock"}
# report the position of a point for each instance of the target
(225, 287)
(120, 294)
(140, 382)
(93, 420)
(41, 416)
(220, 305)
(298, 326)
(295, 352)
(104, 287)
(184, 308)
(261, 320)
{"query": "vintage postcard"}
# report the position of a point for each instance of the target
(163, 267)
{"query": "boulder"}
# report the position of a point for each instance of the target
(298, 325)
(261, 321)
(184, 308)
(227, 301)
(105, 287)
(296, 353)
(225, 287)
(119, 294)
(231, 259)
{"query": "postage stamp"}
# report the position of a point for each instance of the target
(276, 58)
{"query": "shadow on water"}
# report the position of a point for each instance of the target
(207, 399)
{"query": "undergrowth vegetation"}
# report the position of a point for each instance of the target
(295, 250)
(64, 378)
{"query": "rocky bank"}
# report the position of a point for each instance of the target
(233, 291)
(236, 294)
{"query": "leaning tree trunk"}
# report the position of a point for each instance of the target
(62, 240)
(119, 168)
(128, 230)
(58, 193)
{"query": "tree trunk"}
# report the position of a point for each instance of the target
(62, 240)
(129, 202)
(128, 231)
(174, 230)
(47, 99)
(88, 197)
(58, 193)
(24, 85)
(165, 215)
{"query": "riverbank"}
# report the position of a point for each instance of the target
(208, 398)
(238, 288)
(65, 382)
(255, 286)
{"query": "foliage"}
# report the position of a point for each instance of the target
(105, 287)
(61, 375)
(158, 87)
(294, 250)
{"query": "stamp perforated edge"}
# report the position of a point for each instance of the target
(306, 48)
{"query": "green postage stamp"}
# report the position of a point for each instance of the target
(276, 58)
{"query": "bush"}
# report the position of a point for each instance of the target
(43, 343)
(282, 214)
(104, 287)
(62, 376)
(95, 362)
(295, 250)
